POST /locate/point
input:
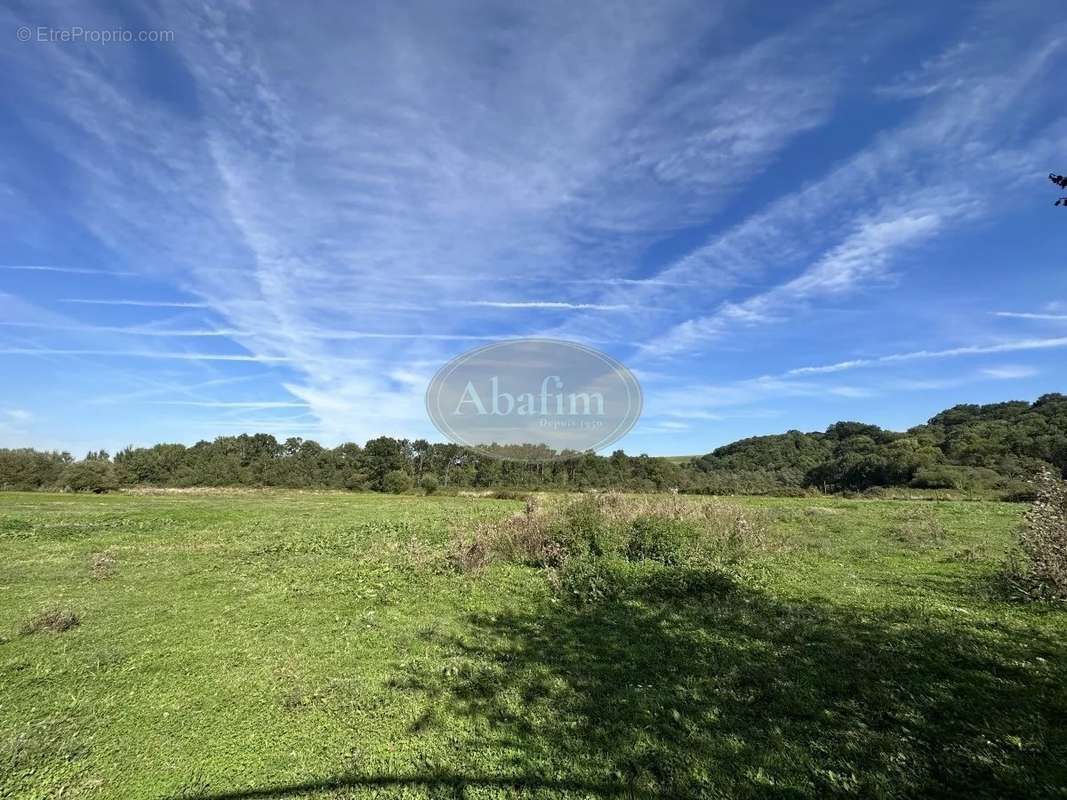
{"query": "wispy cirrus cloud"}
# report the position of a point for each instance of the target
(65, 270)
(843, 232)
(141, 303)
(352, 198)
(1010, 372)
(550, 304)
(1018, 345)
(181, 333)
(862, 257)
(1030, 315)
(317, 187)
(243, 404)
(129, 330)
(150, 354)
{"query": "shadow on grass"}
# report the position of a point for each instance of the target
(736, 694)
(435, 784)
(740, 694)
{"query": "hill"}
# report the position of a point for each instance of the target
(964, 447)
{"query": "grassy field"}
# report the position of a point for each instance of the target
(253, 645)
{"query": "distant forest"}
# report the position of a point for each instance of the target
(992, 449)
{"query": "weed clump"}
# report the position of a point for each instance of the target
(509, 494)
(920, 529)
(601, 547)
(1043, 541)
(53, 620)
(102, 565)
(658, 539)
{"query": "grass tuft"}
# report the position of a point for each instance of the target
(53, 620)
(102, 565)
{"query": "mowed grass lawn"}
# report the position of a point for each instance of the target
(277, 644)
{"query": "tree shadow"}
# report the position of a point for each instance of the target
(729, 692)
(737, 694)
(437, 784)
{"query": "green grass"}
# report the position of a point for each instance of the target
(679, 459)
(248, 645)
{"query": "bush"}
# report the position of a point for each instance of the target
(354, 481)
(939, 476)
(471, 554)
(523, 538)
(599, 547)
(509, 494)
(89, 476)
(583, 529)
(429, 484)
(791, 491)
(588, 580)
(1043, 538)
(396, 482)
(657, 539)
(1017, 491)
(651, 580)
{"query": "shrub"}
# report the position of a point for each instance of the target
(54, 620)
(651, 580)
(96, 476)
(471, 553)
(583, 529)
(790, 491)
(655, 538)
(396, 482)
(1043, 538)
(599, 546)
(730, 535)
(354, 481)
(588, 580)
(429, 484)
(1017, 491)
(509, 494)
(523, 538)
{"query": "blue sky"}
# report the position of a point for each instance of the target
(284, 220)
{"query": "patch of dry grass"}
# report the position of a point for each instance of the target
(52, 620)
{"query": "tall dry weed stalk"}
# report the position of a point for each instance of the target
(1043, 538)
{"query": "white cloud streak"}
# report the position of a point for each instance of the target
(1030, 315)
(844, 231)
(65, 270)
(128, 330)
(1010, 372)
(247, 404)
(43, 351)
(923, 355)
(550, 304)
(143, 303)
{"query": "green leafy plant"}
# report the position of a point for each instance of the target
(659, 539)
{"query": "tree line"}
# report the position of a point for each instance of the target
(992, 448)
(975, 447)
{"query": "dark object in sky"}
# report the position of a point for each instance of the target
(1061, 181)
